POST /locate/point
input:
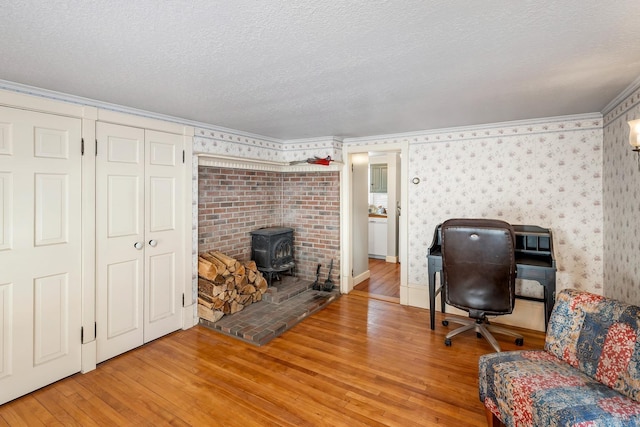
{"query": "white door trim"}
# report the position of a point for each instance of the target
(346, 282)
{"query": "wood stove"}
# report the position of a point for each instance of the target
(272, 250)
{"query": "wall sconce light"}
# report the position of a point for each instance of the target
(634, 137)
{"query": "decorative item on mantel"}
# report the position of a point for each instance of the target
(634, 137)
(314, 161)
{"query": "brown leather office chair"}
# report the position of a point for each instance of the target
(479, 270)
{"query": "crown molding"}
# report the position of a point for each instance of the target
(629, 90)
(482, 130)
(263, 165)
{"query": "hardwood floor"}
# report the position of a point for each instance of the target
(358, 362)
(384, 282)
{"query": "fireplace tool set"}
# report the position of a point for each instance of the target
(328, 284)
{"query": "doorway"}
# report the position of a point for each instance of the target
(375, 273)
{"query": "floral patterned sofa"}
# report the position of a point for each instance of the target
(587, 375)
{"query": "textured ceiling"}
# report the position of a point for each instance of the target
(310, 68)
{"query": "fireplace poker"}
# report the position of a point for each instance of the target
(328, 284)
(316, 285)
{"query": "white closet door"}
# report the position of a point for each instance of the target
(119, 239)
(164, 259)
(140, 261)
(40, 250)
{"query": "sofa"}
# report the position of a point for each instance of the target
(587, 375)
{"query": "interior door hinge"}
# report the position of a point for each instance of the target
(351, 272)
(183, 300)
(352, 167)
(81, 334)
(96, 147)
(183, 156)
(82, 147)
(95, 330)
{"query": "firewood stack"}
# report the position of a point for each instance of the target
(226, 286)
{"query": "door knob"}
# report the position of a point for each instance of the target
(138, 245)
(153, 243)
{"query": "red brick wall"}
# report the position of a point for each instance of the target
(234, 202)
(231, 204)
(311, 203)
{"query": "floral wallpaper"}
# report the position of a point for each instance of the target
(236, 144)
(539, 173)
(621, 183)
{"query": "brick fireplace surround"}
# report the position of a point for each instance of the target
(234, 202)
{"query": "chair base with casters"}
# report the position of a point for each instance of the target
(483, 329)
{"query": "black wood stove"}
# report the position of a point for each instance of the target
(272, 250)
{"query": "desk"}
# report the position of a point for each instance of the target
(534, 261)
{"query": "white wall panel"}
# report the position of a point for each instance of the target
(51, 308)
(162, 154)
(51, 143)
(123, 150)
(6, 139)
(162, 286)
(51, 209)
(162, 198)
(123, 287)
(6, 210)
(6, 296)
(123, 205)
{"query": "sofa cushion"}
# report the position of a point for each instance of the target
(535, 388)
(598, 336)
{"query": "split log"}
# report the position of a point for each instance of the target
(235, 307)
(209, 314)
(247, 290)
(261, 284)
(251, 265)
(245, 299)
(220, 266)
(205, 300)
(251, 275)
(206, 269)
(218, 303)
(231, 282)
(240, 281)
(205, 286)
(226, 260)
(239, 269)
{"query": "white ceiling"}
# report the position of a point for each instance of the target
(310, 68)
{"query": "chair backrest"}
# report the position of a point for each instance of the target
(479, 265)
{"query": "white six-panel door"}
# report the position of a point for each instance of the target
(139, 254)
(119, 239)
(40, 250)
(164, 250)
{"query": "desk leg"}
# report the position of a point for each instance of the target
(432, 299)
(549, 296)
(442, 296)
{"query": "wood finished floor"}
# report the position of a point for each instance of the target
(383, 283)
(358, 362)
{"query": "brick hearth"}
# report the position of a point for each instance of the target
(285, 304)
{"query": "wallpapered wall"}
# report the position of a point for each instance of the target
(621, 180)
(540, 173)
